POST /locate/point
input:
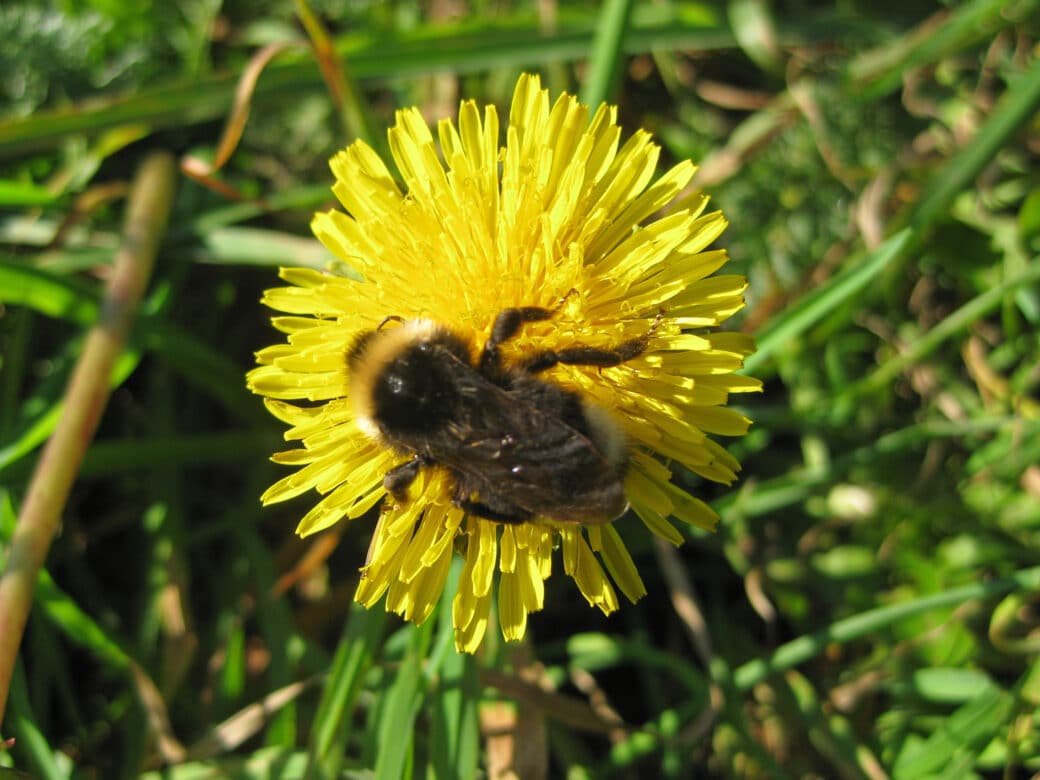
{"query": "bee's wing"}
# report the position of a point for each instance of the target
(513, 447)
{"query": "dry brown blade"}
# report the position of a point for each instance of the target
(314, 617)
(441, 89)
(516, 743)
(317, 553)
(754, 587)
(686, 606)
(248, 721)
(868, 211)
(202, 171)
(801, 92)
(179, 638)
(586, 682)
(193, 168)
(847, 696)
(170, 749)
(557, 706)
(148, 209)
(753, 134)
(732, 98)
(324, 53)
(548, 12)
(684, 599)
(1030, 481)
(992, 387)
(85, 204)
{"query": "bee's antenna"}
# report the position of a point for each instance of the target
(655, 324)
(563, 300)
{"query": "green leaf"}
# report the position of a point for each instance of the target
(963, 734)
(17, 193)
(355, 654)
(951, 685)
(396, 732)
(785, 329)
(77, 626)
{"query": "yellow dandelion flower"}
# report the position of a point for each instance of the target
(613, 307)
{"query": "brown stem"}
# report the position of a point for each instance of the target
(147, 211)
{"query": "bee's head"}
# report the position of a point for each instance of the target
(403, 379)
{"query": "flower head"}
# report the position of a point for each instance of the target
(562, 217)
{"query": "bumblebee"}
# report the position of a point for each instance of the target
(517, 447)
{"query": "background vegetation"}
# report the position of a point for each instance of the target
(868, 608)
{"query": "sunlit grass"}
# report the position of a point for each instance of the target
(866, 609)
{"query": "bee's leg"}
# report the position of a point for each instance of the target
(483, 510)
(398, 479)
(508, 323)
(468, 501)
(585, 356)
(600, 357)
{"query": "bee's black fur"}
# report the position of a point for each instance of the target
(517, 447)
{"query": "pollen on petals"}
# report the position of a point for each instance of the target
(567, 214)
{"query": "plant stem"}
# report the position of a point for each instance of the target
(148, 209)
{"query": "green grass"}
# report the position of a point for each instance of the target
(868, 607)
